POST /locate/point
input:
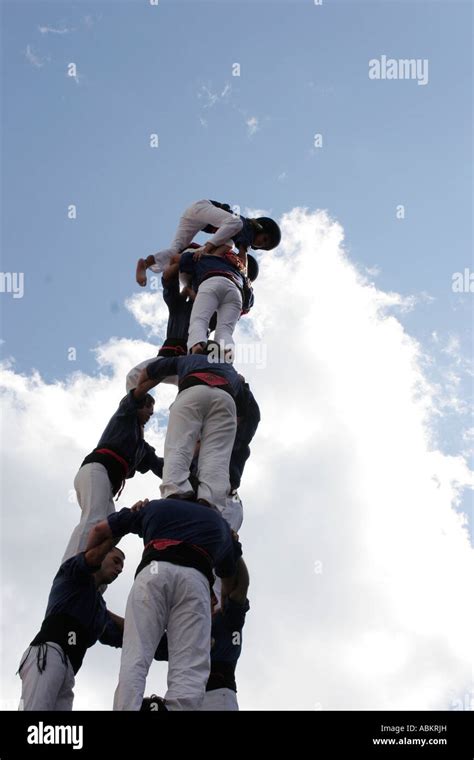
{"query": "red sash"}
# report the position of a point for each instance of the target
(115, 456)
(209, 378)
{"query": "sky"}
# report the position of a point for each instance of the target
(358, 493)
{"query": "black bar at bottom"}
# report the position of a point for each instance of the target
(326, 734)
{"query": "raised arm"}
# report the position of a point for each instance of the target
(119, 621)
(100, 542)
(242, 582)
(172, 270)
(144, 384)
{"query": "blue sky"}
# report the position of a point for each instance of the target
(143, 69)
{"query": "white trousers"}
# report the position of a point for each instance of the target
(197, 216)
(51, 688)
(220, 700)
(133, 375)
(95, 497)
(233, 512)
(208, 414)
(166, 596)
(216, 294)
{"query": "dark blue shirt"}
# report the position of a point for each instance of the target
(181, 521)
(249, 419)
(185, 365)
(123, 435)
(75, 593)
(208, 266)
(246, 235)
(179, 308)
(226, 631)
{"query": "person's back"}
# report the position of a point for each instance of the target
(172, 591)
(175, 520)
(207, 266)
(187, 366)
(120, 452)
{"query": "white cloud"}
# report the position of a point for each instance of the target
(373, 271)
(54, 30)
(149, 310)
(254, 212)
(90, 20)
(252, 125)
(453, 349)
(282, 176)
(359, 557)
(34, 59)
(209, 97)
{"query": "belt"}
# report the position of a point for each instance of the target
(119, 459)
(163, 543)
(209, 378)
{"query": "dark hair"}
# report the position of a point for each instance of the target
(116, 549)
(147, 401)
(252, 267)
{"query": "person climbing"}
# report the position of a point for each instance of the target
(226, 648)
(183, 542)
(210, 394)
(226, 644)
(179, 304)
(76, 618)
(228, 228)
(120, 453)
(247, 423)
(222, 288)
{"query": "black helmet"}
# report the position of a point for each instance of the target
(252, 267)
(271, 228)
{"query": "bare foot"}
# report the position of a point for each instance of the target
(141, 272)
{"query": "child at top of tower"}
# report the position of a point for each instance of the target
(229, 229)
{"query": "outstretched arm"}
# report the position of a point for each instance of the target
(236, 587)
(100, 542)
(119, 621)
(144, 385)
(101, 539)
(172, 270)
(154, 373)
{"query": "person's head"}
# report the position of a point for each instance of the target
(252, 267)
(268, 233)
(111, 566)
(145, 409)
